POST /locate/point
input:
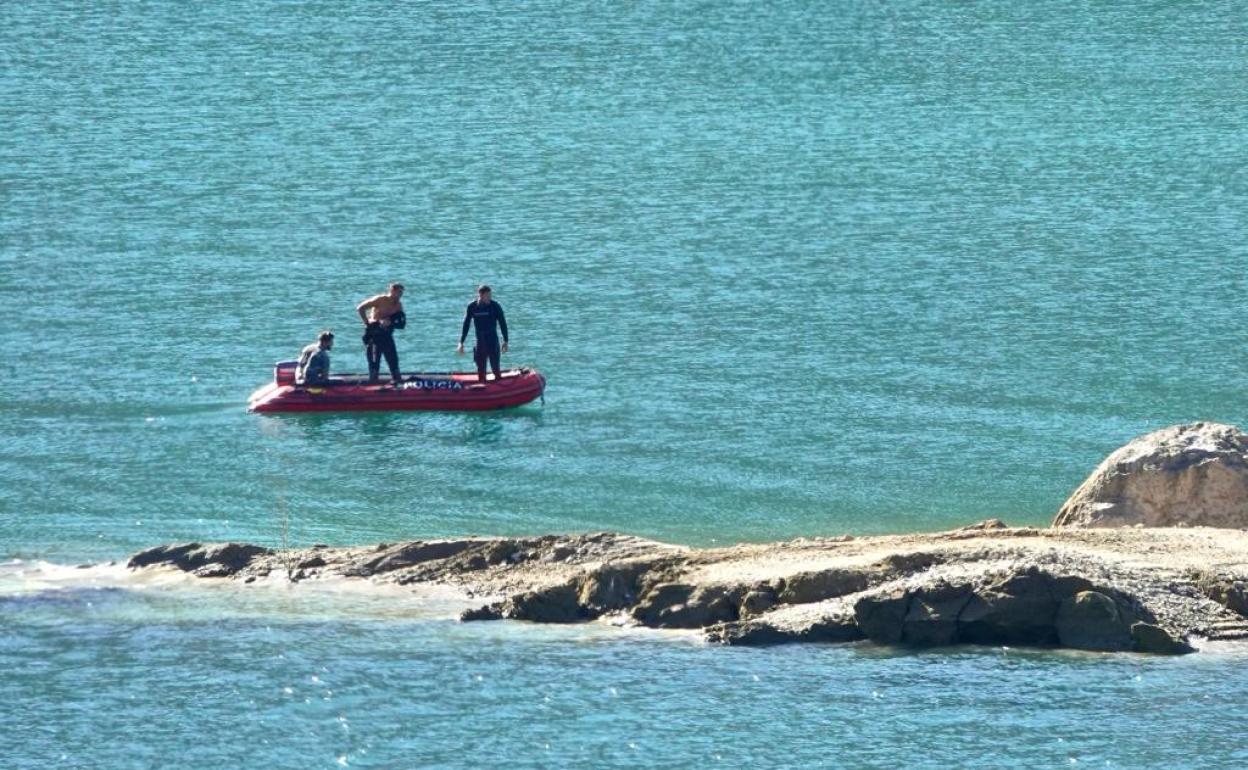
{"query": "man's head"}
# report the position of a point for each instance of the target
(396, 290)
(483, 293)
(326, 339)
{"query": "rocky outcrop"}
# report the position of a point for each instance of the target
(680, 605)
(817, 585)
(1028, 607)
(1185, 475)
(555, 604)
(211, 560)
(1142, 590)
(1225, 590)
(829, 628)
(1091, 620)
(413, 553)
(1148, 638)
(1018, 608)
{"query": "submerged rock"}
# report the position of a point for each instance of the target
(1185, 475)
(487, 612)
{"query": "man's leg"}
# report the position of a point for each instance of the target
(478, 355)
(392, 358)
(374, 360)
(495, 362)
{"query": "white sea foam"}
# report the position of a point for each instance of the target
(324, 598)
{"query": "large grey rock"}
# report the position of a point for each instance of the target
(751, 633)
(1193, 475)
(1090, 620)
(556, 604)
(1146, 637)
(1017, 609)
(815, 586)
(881, 616)
(613, 586)
(932, 615)
(833, 629)
(679, 605)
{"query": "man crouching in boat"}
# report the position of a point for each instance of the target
(381, 315)
(485, 315)
(313, 366)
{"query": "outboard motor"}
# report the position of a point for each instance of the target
(284, 372)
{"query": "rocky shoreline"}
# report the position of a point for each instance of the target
(1159, 590)
(1150, 554)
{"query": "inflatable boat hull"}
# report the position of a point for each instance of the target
(443, 392)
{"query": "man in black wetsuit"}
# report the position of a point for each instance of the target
(487, 317)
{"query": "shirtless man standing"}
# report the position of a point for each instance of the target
(381, 315)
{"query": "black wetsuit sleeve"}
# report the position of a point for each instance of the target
(463, 333)
(502, 320)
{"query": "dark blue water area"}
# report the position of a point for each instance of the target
(790, 269)
(90, 682)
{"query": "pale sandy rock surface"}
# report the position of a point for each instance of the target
(1184, 475)
(988, 584)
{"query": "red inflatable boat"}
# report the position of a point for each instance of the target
(446, 391)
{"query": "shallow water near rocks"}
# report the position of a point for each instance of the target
(790, 270)
(113, 677)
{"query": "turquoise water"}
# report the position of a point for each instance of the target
(277, 680)
(791, 269)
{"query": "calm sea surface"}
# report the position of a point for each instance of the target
(790, 269)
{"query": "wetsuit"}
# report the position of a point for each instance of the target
(313, 366)
(486, 319)
(379, 343)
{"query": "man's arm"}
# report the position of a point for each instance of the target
(367, 305)
(463, 333)
(301, 370)
(502, 323)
